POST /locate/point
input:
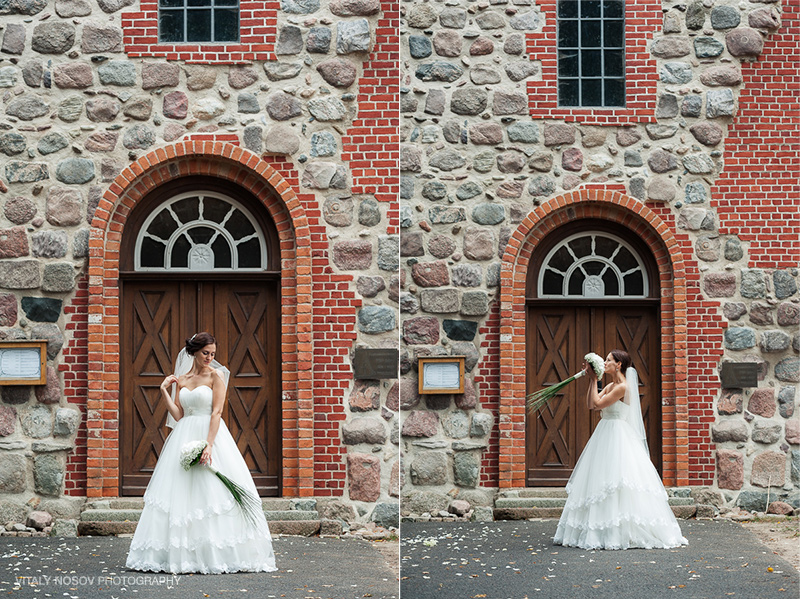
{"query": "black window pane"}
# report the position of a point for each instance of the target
(613, 31)
(614, 63)
(152, 253)
(603, 246)
(568, 9)
(239, 226)
(201, 234)
(170, 26)
(561, 260)
(222, 253)
(569, 92)
(615, 92)
(625, 260)
(226, 3)
(590, 34)
(198, 2)
(613, 9)
(226, 25)
(180, 253)
(215, 210)
(582, 246)
(591, 63)
(634, 283)
(590, 9)
(593, 267)
(611, 282)
(163, 225)
(187, 210)
(576, 283)
(568, 34)
(568, 64)
(249, 253)
(170, 3)
(198, 25)
(552, 283)
(592, 92)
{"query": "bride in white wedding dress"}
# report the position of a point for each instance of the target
(615, 497)
(190, 522)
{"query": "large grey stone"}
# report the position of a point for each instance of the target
(769, 469)
(58, 277)
(387, 515)
(27, 107)
(102, 110)
(75, 171)
(20, 274)
(469, 101)
(52, 334)
(299, 7)
(420, 423)
(774, 341)
(111, 6)
(36, 421)
(158, 74)
(66, 9)
(719, 102)
(376, 319)
(670, 47)
(327, 109)
(388, 252)
(784, 284)
(707, 47)
(421, 16)
(53, 37)
(725, 76)
(12, 143)
(13, 39)
(364, 430)
(67, 422)
(739, 338)
(766, 432)
(488, 214)
(429, 468)
(676, 73)
(439, 301)
(447, 160)
(788, 370)
(698, 163)
(753, 283)
(509, 102)
(724, 17)
(456, 425)
(466, 467)
(41, 309)
(77, 75)
(352, 36)
(48, 474)
(97, 39)
(438, 71)
(12, 473)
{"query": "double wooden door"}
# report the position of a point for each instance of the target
(244, 317)
(558, 336)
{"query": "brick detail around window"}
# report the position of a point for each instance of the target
(74, 367)
(756, 194)
(257, 21)
(509, 453)
(371, 144)
(642, 20)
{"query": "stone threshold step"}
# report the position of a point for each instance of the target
(269, 503)
(524, 513)
(546, 502)
(305, 528)
(130, 515)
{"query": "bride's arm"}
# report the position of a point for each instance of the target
(217, 403)
(173, 407)
(606, 397)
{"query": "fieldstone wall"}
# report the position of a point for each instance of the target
(76, 110)
(475, 161)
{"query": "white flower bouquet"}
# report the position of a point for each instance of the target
(536, 401)
(249, 504)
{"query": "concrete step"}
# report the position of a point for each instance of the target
(551, 502)
(554, 492)
(680, 510)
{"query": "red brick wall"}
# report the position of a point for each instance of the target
(756, 197)
(487, 382)
(74, 367)
(642, 20)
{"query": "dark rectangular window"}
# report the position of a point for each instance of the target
(591, 53)
(182, 21)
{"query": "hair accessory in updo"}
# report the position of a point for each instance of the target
(198, 341)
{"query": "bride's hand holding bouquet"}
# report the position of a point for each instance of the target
(593, 365)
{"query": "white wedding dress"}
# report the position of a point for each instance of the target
(190, 522)
(615, 497)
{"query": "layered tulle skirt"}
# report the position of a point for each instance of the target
(615, 497)
(190, 522)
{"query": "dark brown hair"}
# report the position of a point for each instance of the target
(198, 342)
(622, 358)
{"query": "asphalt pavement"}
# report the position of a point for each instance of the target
(517, 560)
(94, 568)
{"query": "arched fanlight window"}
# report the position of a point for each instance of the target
(593, 265)
(200, 231)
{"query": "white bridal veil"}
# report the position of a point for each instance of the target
(632, 399)
(183, 364)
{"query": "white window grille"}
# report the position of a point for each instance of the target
(200, 231)
(593, 265)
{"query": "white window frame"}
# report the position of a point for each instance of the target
(591, 278)
(184, 227)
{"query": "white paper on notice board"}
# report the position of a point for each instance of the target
(20, 363)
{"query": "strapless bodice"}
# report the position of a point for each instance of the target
(616, 411)
(197, 401)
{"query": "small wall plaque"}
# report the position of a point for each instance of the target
(381, 363)
(441, 374)
(736, 375)
(23, 362)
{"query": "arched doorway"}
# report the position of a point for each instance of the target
(591, 285)
(199, 253)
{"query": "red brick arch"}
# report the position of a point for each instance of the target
(244, 168)
(642, 221)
